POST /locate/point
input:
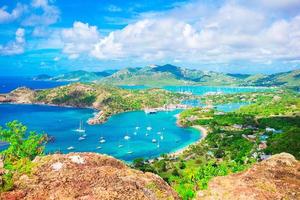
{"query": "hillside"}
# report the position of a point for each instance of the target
(291, 78)
(157, 76)
(274, 178)
(87, 176)
(75, 76)
(167, 75)
(232, 141)
(110, 100)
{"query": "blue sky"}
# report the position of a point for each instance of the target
(53, 36)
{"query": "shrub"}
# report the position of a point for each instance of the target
(23, 148)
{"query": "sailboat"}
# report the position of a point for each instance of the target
(126, 137)
(128, 147)
(161, 137)
(81, 138)
(70, 148)
(102, 141)
(80, 128)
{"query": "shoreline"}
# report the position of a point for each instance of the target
(202, 130)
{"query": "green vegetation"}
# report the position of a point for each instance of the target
(234, 141)
(24, 147)
(110, 100)
(172, 75)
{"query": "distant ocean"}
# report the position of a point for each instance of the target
(8, 84)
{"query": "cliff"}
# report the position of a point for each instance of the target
(87, 176)
(275, 178)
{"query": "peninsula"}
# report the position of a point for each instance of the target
(108, 100)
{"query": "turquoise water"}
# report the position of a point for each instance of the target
(200, 90)
(133, 87)
(61, 122)
(220, 107)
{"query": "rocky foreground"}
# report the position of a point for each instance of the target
(91, 176)
(87, 176)
(275, 178)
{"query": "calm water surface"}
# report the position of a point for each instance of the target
(61, 123)
(8, 84)
(200, 90)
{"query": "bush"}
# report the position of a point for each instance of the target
(23, 148)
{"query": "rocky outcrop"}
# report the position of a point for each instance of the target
(275, 178)
(19, 95)
(87, 176)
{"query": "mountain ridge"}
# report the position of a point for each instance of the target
(162, 75)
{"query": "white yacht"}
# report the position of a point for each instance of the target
(126, 137)
(81, 138)
(102, 141)
(80, 128)
(70, 148)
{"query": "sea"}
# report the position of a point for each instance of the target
(126, 136)
(9, 83)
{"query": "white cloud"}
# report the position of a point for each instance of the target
(114, 8)
(50, 14)
(280, 4)
(218, 34)
(6, 17)
(16, 46)
(79, 39)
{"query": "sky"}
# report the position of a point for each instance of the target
(234, 36)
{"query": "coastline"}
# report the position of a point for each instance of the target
(202, 130)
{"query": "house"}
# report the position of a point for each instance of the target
(264, 156)
(268, 129)
(262, 146)
(237, 126)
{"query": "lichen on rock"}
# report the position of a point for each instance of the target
(88, 176)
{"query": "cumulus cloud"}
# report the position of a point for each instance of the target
(6, 16)
(79, 39)
(226, 33)
(49, 15)
(16, 46)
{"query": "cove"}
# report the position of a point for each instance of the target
(60, 122)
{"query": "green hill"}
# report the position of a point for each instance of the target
(163, 75)
(168, 75)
